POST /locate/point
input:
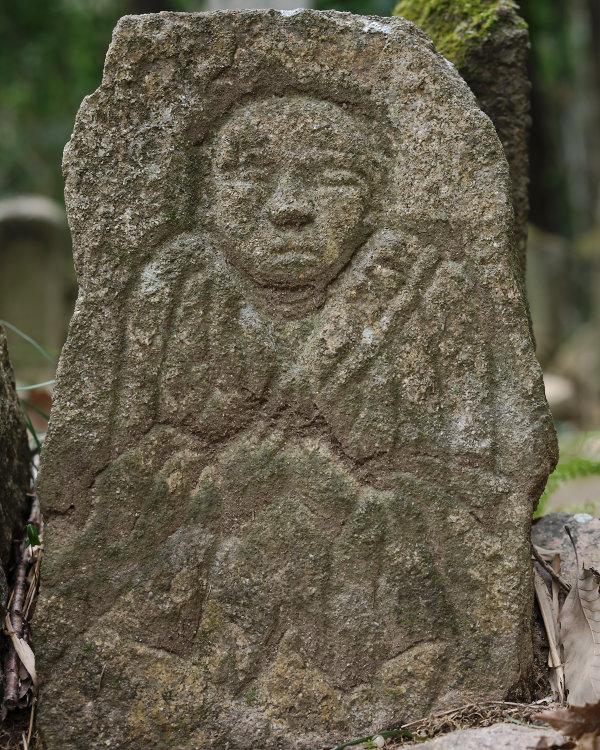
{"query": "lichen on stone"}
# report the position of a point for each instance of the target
(458, 26)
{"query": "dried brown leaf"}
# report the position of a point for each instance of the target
(589, 741)
(23, 650)
(557, 673)
(574, 721)
(580, 638)
(554, 743)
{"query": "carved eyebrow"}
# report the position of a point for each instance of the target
(323, 158)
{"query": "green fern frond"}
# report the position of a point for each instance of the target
(574, 468)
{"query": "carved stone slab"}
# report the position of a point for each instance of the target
(299, 428)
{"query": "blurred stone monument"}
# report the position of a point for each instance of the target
(299, 427)
(547, 293)
(37, 285)
(578, 357)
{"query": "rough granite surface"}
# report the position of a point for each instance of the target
(298, 428)
(488, 42)
(496, 737)
(14, 465)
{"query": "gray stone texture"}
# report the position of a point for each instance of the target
(14, 465)
(298, 428)
(496, 737)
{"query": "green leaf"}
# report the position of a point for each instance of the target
(35, 386)
(30, 426)
(34, 408)
(33, 538)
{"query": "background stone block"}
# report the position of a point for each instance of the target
(37, 291)
(489, 44)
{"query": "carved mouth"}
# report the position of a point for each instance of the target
(293, 294)
(291, 301)
(289, 246)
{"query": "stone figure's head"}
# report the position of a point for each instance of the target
(293, 180)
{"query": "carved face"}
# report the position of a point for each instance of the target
(292, 186)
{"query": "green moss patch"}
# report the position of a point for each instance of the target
(457, 26)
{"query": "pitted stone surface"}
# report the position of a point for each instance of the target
(496, 737)
(14, 466)
(298, 427)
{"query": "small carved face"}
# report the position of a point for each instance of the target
(292, 185)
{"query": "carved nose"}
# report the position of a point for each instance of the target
(290, 215)
(288, 206)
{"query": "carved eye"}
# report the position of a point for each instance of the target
(340, 177)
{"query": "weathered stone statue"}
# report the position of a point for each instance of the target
(299, 428)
